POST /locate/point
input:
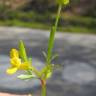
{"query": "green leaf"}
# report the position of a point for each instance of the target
(29, 72)
(56, 66)
(49, 74)
(54, 56)
(44, 54)
(25, 76)
(30, 60)
(22, 51)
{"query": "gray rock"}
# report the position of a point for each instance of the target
(79, 72)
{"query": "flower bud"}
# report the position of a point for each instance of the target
(63, 2)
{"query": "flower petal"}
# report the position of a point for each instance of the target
(14, 53)
(16, 62)
(11, 70)
(25, 66)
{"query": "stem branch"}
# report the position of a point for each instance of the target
(52, 36)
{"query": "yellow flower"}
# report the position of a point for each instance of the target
(14, 53)
(16, 63)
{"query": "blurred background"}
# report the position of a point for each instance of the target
(78, 16)
(31, 20)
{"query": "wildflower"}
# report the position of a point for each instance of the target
(64, 2)
(16, 63)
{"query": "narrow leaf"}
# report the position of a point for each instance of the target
(44, 54)
(54, 56)
(29, 72)
(25, 76)
(56, 66)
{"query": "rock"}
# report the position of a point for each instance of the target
(79, 72)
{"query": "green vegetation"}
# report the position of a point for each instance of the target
(79, 16)
(32, 19)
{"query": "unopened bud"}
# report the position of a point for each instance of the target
(63, 2)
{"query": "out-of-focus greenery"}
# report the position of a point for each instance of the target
(41, 14)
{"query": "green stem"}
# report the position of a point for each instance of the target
(43, 90)
(52, 36)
